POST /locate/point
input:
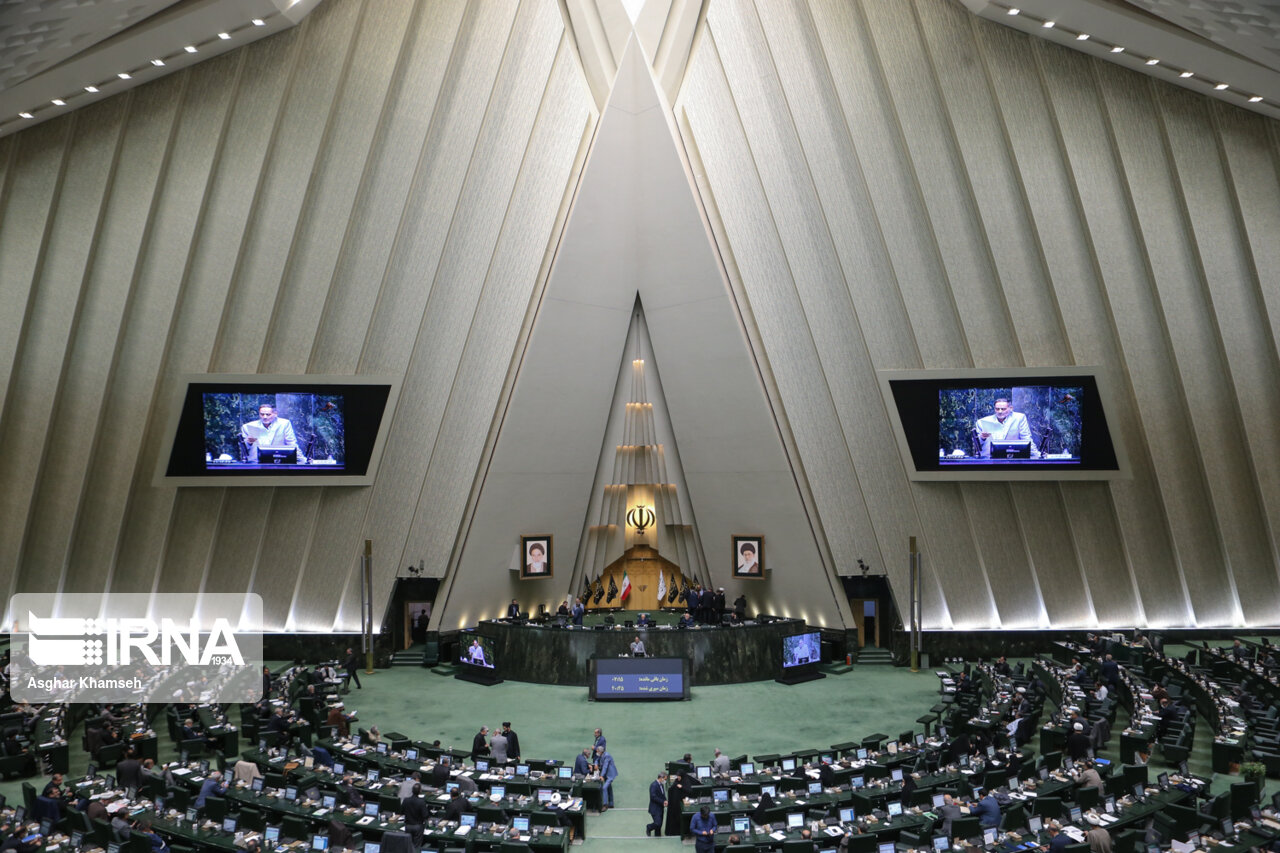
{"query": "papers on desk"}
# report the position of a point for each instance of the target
(834, 831)
(462, 830)
(778, 836)
(1108, 818)
(182, 771)
(1182, 846)
(366, 820)
(1074, 833)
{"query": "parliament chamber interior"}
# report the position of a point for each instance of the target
(737, 425)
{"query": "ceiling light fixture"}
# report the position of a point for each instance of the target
(258, 22)
(125, 75)
(1220, 87)
(58, 102)
(1153, 61)
(191, 48)
(1255, 99)
(158, 63)
(1186, 74)
(91, 89)
(1082, 37)
(1014, 11)
(1117, 49)
(24, 115)
(1048, 25)
(224, 36)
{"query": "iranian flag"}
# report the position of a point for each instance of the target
(626, 585)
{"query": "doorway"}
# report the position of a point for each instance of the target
(866, 616)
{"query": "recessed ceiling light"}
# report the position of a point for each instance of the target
(191, 48)
(258, 22)
(1186, 74)
(1220, 86)
(1048, 25)
(158, 63)
(1082, 37)
(91, 88)
(1014, 11)
(1117, 49)
(125, 75)
(58, 102)
(24, 115)
(1255, 99)
(224, 36)
(1153, 61)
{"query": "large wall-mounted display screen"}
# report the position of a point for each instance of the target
(1002, 424)
(278, 430)
(639, 678)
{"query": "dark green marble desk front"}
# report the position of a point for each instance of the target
(562, 655)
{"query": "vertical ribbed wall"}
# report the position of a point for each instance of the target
(904, 185)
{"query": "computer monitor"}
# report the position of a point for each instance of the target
(339, 768)
(720, 795)
(1163, 781)
(329, 801)
(271, 834)
(896, 774)
(229, 825)
(1076, 813)
(520, 823)
(857, 782)
(747, 768)
(827, 758)
(319, 842)
(991, 752)
(382, 747)
(113, 847)
(450, 787)
(848, 815)
(885, 847)
(919, 738)
(1013, 783)
(204, 770)
(788, 764)
(468, 819)
(702, 771)
(895, 808)
(1035, 823)
(741, 824)
(482, 764)
(939, 800)
(1109, 805)
(1228, 828)
(564, 772)
(522, 769)
(1043, 773)
(371, 809)
(892, 747)
(815, 787)
(1139, 790)
(291, 793)
(498, 791)
(257, 784)
(795, 820)
(771, 790)
(411, 754)
(964, 761)
(941, 843)
(989, 836)
(373, 847)
(77, 838)
(545, 794)
(192, 815)
(373, 774)
(862, 753)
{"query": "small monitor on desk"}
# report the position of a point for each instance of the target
(411, 754)
(373, 774)
(788, 764)
(339, 768)
(544, 795)
(468, 819)
(941, 844)
(564, 772)
(522, 769)
(482, 764)
(857, 782)
(291, 793)
(895, 808)
(862, 753)
(771, 790)
(989, 836)
(741, 824)
(319, 843)
(257, 784)
(815, 787)
(229, 825)
(371, 809)
(1076, 813)
(847, 815)
(498, 791)
(720, 795)
(1035, 823)
(271, 834)
(703, 771)
(747, 769)
(795, 820)
(939, 800)
(1010, 449)
(827, 758)
(520, 823)
(450, 787)
(896, 774)
(885, 847)
(373, 847)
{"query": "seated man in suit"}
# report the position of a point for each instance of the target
(582, 764)
(211, 787)
(457, 806)
(645, 621)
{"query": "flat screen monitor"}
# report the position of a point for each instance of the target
(747, 769)
(373, 774)
(1076, 813)
(1003, 424)
(895, 808)
(1163, 780)
(941, 843)
(1035, 823)
(113, 847)
(411, 754)
(636, 679)
(339, 768)
(720, 795)
(847, 815)
(989, 836)
(939, 800)
(741, 824)
(522, 769)
(371, 809)
(498, 791)
(771, 790)
(795, 820)
(468, 819)
(257, 784)
(229, 825)
(1139, 790)
(263, 430)
(885, 847)
(801, 649)
(544, 795)
(892, 747)
(896, 774)
(564, 772)
(291, 793)
(476, 651)
(482, 764)
(919, 738)
(1228, 828)
(857, 782)
(1043, 773)
(329, 801)
(77, 838)
(788, 764)
(450, 787)
(373, 847)
(827, 758)
(319, 842)
(271, 834)
(382, 747)
(703, 771)
(520, 823)
(815, 787)
(862, 753)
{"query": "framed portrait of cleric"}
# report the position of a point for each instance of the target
(748, 557)
(535, 557)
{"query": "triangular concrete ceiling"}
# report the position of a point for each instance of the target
(636, 228)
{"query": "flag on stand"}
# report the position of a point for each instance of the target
(599, 590)
(626, 585)
(662, 586)
(613, 590)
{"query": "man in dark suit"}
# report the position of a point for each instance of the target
(718, 605)
(657, 802)
(353, 664)
(479, 746)
(352, 794)
(949, 812)
(582, 764)
(1078, 743)
(414, 810)
(577, 611)
(456, 807)
(129, 771)
(1109, 670)
(513, 609)
(513, 742)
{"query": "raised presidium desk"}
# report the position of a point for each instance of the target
(563, 655)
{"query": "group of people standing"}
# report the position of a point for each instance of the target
(502, 745)
(596, 760)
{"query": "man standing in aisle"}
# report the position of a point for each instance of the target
(352, 664)
(657, 802)
(608, 772)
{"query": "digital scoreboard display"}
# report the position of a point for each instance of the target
(639, 678)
